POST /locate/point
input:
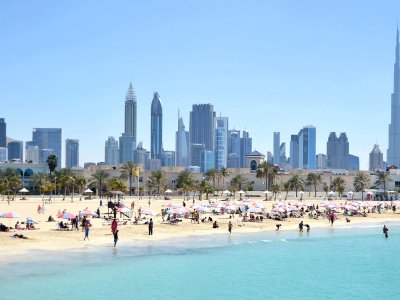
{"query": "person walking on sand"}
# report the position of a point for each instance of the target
(114, 226)
(115, 238)
(385, 231)
(87, 226)
(151, 227)
(230, 227)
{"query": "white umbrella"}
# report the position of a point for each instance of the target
(88, 191)
(241, 192)
(226, 192)
(168, 191)
(24, 190)
(267, 192)
(124, 210)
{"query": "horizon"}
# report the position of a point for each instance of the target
(70, 68)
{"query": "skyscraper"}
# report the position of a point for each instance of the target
(233, 149)
(221, 142)
(393, 152)
(376, 159)
(131, 114)
(111, 152)
(15, 150)
(168, 159)
(277, 143)
(71, 153)
(246, 145)
(307, 148)
(156, 149)
(49, 142)
(125, 148)
(321, 161)
(282, 156)
(3, 133)
(202, 129)
(354, 163)
(337, 149)
(182, 145)
(294, 151)
(31, 153)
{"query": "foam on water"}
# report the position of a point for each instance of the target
(326, 263)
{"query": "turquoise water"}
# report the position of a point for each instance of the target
(325, 264)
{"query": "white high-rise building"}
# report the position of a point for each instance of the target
(221, 142)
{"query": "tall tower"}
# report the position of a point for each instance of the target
(111, 151)
(393, 152)
(182, 144)
(49, 142)
(307, 148)
(3, 133)
(131, 114)
(71, 153)
(221, 142)
(156, 127)
(277, 143)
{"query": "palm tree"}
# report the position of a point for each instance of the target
(204, 187)
(12, 181)
(52, 162)
(266, 170)
(159, 179)
(314, 180)
(98, 179)
(211, 174)
(339, 185)
(296, 183)
(286, 188)
(383, 179)
(128, 170)
(361, 181)
(237, 183)
(81, 182)
(185, 182)
(275, 189)
(223, 172)
(116, 184)
(325, 188)
(38, 180)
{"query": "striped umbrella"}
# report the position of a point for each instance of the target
(67, 216)
(9, 215)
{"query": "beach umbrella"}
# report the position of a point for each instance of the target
(30, 221)
(226, 192)
(24, 190)
(231, 207)
(88, 213)
(67, 216)
(88, 191)
(148, 212)
(242, 192)
(350, 207)
(168, 191)
(254, 210)
(247, 200)
(278, 209)
(124, 210)
(9, 215)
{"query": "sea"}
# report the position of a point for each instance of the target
(357, 262)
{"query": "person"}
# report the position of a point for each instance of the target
(87, 226)
(301, 226)
(230, 227)
(21, 236)
(98, 212)
(116, 238)
(385, 231)
(50, 219)
(84, 221)
(332, 218)
(114, 226)
(215, 225)
(308, 227)
(133, 205)
(278, 226)
(39, 209)
(347, 220)
(151, 227)
(149, 202)
(184, 203)
(101, 203)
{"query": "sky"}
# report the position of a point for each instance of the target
(267, 65)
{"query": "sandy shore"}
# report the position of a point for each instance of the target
(47, 238)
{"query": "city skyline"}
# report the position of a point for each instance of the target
(250, 65)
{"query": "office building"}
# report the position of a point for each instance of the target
(376, 159)
(156, 128)
(207, 160)
(277, 143)
(125, 148)
(141, 156)
(168, 159)
(196, 152)
(71, 153)
(321, 161)
(307, 148)
(111, 152)
(393, 151)
(354, 163)
(182, 144)
(49, 141)
(31, 153)
(3, 154)
(337, 151)
(221, 142)
(15, 150)
(202, 130)
(246, 144)
(131, 114)
(294, 151)
(3, 133)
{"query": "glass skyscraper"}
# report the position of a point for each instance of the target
(156, 148)
(277, 144)
(15, 150)
(294, 151)
(337, 151)
(111, 152)
(49, 142)
(131, 114)
(3, 133)
(71, 153)
(246, 145)
(221, 142)
(182, 145)
(125, 148)
(307, 148)
(202, 130)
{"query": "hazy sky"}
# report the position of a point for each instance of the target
(267, 65)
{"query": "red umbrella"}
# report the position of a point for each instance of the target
(9, 215)
(67, 216)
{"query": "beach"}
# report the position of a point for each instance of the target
(47, 238)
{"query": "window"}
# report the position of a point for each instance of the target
(253, 165)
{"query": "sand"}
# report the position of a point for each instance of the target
(47, 238)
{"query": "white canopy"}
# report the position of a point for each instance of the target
(267, 192)
(226, 192)
(168, 191)
(88, 191)
(241, 192)
(24, 190)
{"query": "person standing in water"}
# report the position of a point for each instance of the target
(116, 238)
(385, 231)
(230, 227)
(301, 226)
(151, 227)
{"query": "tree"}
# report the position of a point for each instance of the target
(159, 179)
(325, 188)
(204, 187)
(81, 182)
(275, 189)
(211, 175)
(223, 172)
(128, 170)
(361, 181)
(116, 184)
(98, 179)
(185, 182)
(38, 180)
(11, 180)
(296, 183)
(383, 179)
(52, 162)
(314, 179)
(266, 170)
(237, 182)
(339, 185)
(286, 188)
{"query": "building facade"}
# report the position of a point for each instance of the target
(321, 161)
(182, 145)
(294, 151)
(376, 159)
(156, 128)
(277, 144)
(131, 114)
(337, 149)
(71, 153)
(3, 133)
(125, 148)
(307, 148)
(111, 152)
(221, 142)
(49, 142)
(246, 146)
(15, 151)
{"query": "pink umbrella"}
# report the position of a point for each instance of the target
(88, 213)
(148, 212)
(9, 215)
(67, 216)
(278, 209)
